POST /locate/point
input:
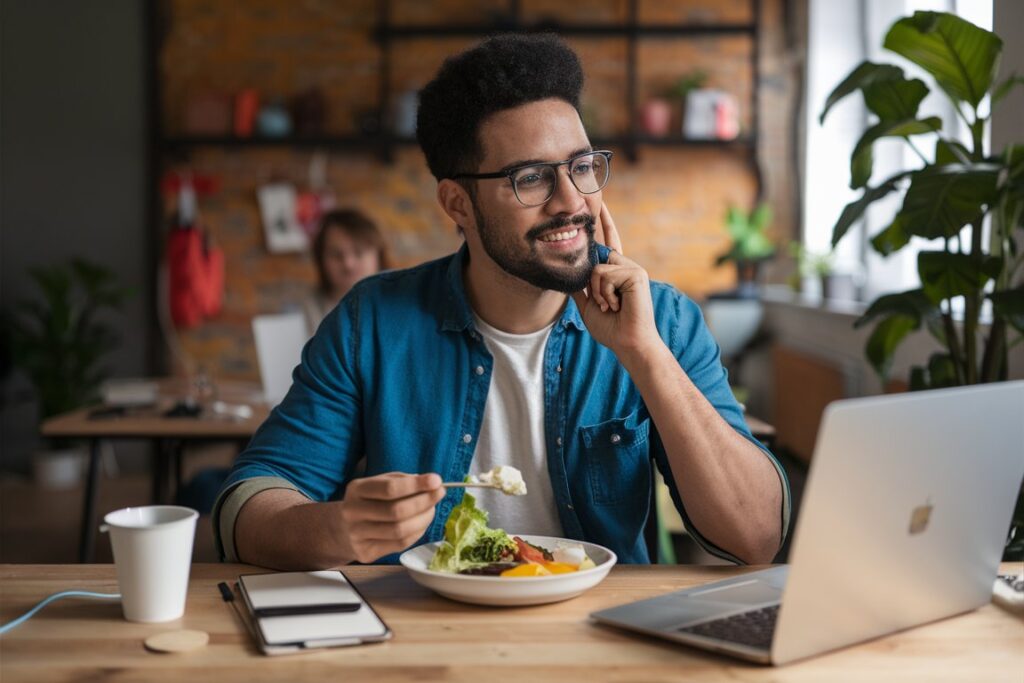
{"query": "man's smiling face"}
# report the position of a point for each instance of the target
(550, 246)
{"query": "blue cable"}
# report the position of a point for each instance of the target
(56, 596)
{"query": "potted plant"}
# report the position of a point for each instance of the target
(819, 268)
(59, 340)
(946, 198)
(655, 115)
(750, 245)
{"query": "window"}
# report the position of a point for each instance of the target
(840, 36)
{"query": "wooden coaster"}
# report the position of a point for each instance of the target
(177, 641)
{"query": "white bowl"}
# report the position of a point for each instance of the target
(511, 591)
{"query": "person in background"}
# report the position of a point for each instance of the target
(348, 247)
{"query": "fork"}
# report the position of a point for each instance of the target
(467, 484)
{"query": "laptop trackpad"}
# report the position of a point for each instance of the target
(752, 592)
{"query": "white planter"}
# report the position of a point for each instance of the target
(59, 469)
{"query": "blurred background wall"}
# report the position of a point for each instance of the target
(72, 168)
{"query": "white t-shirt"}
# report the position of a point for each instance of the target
(512, 433)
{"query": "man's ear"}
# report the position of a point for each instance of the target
(456, 202)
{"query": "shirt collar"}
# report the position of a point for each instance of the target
(458, 315)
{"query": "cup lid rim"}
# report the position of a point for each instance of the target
(110, 520)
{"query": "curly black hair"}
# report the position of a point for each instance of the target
(500, 73)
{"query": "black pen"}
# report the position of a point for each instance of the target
(229, 597)
(301, 610)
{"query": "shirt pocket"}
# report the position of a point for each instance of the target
(617, 462)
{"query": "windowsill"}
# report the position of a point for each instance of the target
(784, 295)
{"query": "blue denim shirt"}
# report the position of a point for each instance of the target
(398, 373)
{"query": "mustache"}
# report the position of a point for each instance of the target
(583, 219)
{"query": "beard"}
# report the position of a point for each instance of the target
(526, 264)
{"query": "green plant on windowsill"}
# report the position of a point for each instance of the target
(750, 245)
(59, 338)
(947, 198)
(810, 264)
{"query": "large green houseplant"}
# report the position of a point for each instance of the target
(59, 338)
(947, 197)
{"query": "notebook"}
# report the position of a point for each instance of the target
(294, 611)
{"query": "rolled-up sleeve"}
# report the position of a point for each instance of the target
(312, 440)
(698, 354)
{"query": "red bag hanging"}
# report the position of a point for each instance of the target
(196, 277)
(213, 284)
(195, 266)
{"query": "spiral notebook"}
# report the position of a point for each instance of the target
(294, 611)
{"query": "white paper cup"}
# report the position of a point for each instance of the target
(153, 554)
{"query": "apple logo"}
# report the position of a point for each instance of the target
(920, 516)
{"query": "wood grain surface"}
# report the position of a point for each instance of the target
(440, 640)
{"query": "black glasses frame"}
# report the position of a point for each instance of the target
(553, 165)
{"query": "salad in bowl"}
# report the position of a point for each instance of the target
(477, 564)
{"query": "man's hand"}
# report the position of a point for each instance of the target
(617, 308)
(605, 231)
(387, 513)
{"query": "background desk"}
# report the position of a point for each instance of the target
(440, 640)
(169, 435)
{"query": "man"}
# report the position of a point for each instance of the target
(524, 348)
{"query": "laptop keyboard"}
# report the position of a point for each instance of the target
(752, 628)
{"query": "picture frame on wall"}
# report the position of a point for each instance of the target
(284, 233)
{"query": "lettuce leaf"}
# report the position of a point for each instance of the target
(468, 542)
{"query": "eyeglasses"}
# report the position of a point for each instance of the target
(534, 184)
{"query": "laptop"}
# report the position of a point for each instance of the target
(903, 522)
(279, 341)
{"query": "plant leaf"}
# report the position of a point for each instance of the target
(911, 304)
(891, 239)
(1003, 89)
(918, 379)
(895, 99)
(945, 275)
(863, 75)
(950, 152)
(1009, 305)
(855, 209)
(941, 371)
(861, 160)
(962, 57)
(883, 341)
(943, 199)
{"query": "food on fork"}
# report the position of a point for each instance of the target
(508, 479)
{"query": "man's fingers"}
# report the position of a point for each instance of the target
(596, 290)
(397, 533)
(610, 294)
(373, 510)
(611, 234)
(394, 485)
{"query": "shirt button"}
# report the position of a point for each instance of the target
(616, 438)
(479, 370)
(558, 369)
(466, 438)
(559, 441)
(570, 506)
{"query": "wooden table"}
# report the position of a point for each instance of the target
(440, 640)
(169, 435)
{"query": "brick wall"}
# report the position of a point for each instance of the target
(669, 205)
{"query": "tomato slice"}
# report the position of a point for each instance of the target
(527, 553)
